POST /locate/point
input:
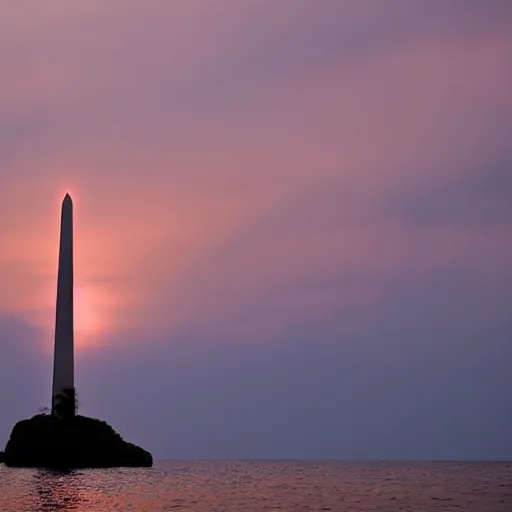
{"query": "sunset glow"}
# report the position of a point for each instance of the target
(88, 318)
(291, 202)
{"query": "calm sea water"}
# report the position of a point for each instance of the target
(263, 486)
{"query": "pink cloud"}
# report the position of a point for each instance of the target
(204, 192)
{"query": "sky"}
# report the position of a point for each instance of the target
(293, 225)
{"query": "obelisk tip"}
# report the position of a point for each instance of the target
(67, 197)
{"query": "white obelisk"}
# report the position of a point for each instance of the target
(63, 363)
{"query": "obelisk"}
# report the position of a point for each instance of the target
(63, 363)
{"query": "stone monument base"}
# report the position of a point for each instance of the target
(68, 443)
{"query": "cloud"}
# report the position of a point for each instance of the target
(249, 175)
(26, 372)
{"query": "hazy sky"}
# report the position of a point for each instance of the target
(293, 222)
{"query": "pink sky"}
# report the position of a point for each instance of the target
(247, 171)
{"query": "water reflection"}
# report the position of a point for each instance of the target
(59, 490)
(251, 486)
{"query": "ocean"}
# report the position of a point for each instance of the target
(247, 486)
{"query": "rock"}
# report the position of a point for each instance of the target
(1, 457)
(75, 442)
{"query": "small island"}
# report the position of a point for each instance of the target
(75, 442)
(63, 439)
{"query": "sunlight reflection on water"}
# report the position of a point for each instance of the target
(262, 485)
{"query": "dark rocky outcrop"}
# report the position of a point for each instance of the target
(74, 442)
(1, 457)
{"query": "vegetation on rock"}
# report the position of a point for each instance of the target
(66, 404)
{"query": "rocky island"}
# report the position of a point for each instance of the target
(75, 442)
